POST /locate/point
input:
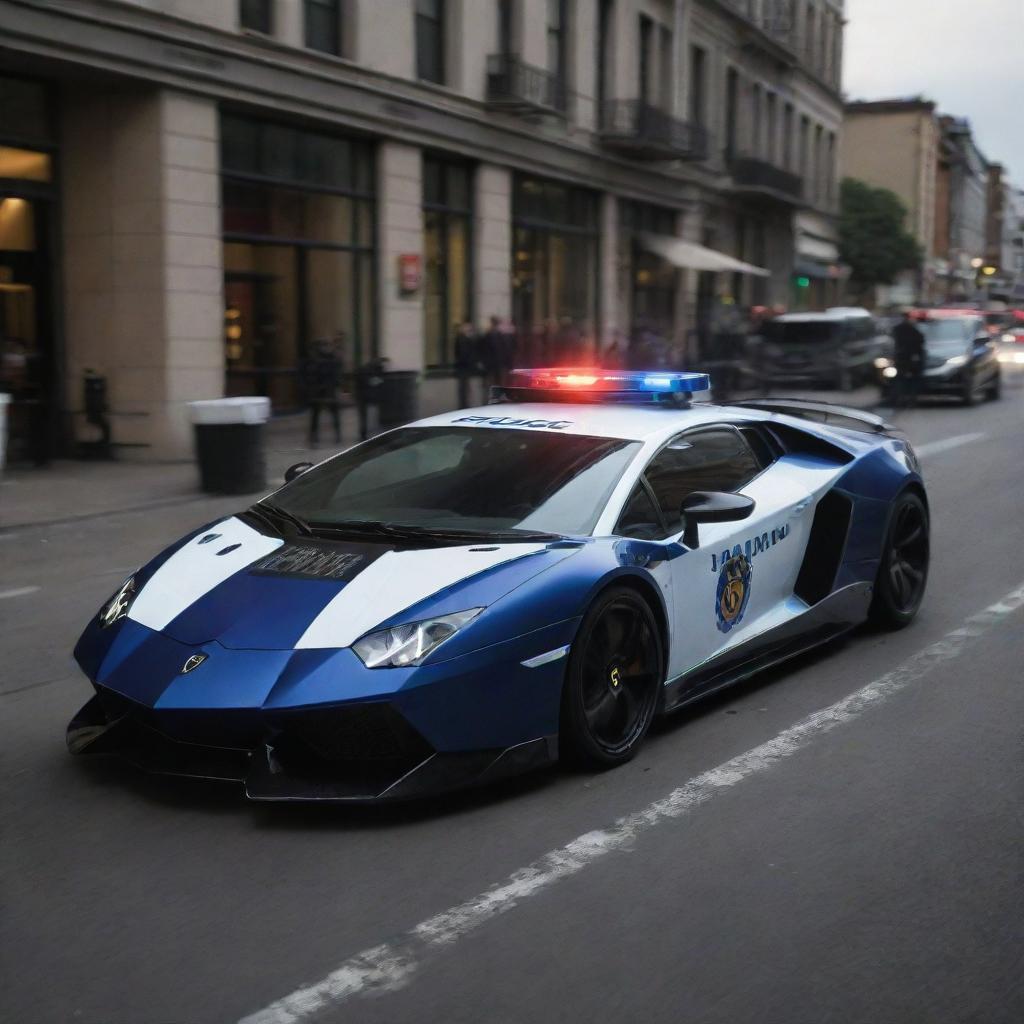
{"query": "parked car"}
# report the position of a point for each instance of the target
(838, 347)
(961, 360)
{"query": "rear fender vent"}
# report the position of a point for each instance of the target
(825, 547)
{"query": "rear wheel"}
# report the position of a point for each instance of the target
(903, 572)
(613, 681)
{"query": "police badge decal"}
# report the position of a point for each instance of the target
(733, 592)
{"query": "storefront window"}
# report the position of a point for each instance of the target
(29, 370)
(554, 253)
(651, 281)
(299, 254)
(447, 217)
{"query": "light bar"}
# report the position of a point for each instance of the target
(587, 379)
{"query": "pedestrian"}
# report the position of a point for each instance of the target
(467, 360)
(492, 352)
(369, 378)
(909, 360)
(322, 378)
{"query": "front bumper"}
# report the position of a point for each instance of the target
(317, 724)
(359, 753)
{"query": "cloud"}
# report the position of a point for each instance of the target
(964, 54)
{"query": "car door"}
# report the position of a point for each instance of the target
(738, 581)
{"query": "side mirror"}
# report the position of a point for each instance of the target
(712, 507)
(297, 470)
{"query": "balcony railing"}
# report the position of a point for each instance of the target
(640, 130)
(516, 86)
(752, 174)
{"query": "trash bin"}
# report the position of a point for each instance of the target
(5, 401)
(398, 398)
(229, 444)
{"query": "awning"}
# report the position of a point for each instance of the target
(692, 256)
(812, 247)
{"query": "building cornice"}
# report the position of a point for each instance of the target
(247, 70)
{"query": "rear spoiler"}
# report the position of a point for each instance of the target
(827, 413)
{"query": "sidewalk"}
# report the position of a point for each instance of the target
(67, 490)
(70, 489)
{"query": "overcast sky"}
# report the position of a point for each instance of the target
(967, 55)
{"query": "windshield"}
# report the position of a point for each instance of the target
(802, 332)
(464, 479)
(945, 338)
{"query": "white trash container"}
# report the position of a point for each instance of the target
(229, 444)
(5, 401)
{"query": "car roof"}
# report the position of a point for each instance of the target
(836, 315)
(596, 419)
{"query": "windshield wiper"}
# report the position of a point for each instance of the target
(262, 508)
(399, 531)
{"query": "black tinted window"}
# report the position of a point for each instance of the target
(711, 460)
(640, 518)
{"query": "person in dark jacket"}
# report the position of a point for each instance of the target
(369, 378)
(466, 359)
(322, 378)
(909, 359)
(492, 352)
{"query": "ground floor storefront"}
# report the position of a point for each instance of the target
(159, 247)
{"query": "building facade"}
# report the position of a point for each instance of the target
(963, 215)
(894, 144)
(192, 192)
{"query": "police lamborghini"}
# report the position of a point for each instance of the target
(487, 590)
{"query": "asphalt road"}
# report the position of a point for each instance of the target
(760, 861)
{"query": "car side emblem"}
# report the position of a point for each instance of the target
(193, 663)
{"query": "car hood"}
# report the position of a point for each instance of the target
(235, 584)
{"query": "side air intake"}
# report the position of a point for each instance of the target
(825, 547)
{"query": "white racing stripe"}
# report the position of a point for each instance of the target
(947, 444)
(391, 965)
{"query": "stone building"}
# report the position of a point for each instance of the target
(193, 191)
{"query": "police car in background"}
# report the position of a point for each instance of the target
(484, 591)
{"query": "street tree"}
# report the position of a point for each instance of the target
(873, 241)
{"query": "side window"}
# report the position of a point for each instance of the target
(708, 460)
(639, 517)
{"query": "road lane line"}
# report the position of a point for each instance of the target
(947, 444)
(17, 592)
(391, 965)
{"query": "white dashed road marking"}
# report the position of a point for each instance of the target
(947, 444)
(391, 965)
(17, 592)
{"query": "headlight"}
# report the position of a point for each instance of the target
(117, 607)
(956, 360)
(1011, 357)
(881, 363)
(1008, 337)
(405, 645)
(889, 372)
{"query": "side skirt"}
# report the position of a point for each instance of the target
(836, 614)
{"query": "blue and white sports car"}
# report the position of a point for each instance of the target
(481, 592)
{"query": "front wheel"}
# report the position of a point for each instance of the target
(903, 572)
(613, 680)
(995, 389)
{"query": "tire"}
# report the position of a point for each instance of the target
(844, 380)
(995, 389)
(613, 682)
(903, 570)
(969, 394)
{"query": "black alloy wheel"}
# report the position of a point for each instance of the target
(969, 394)
(903, 572)
(614, 678)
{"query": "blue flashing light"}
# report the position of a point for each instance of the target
(586, 380)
